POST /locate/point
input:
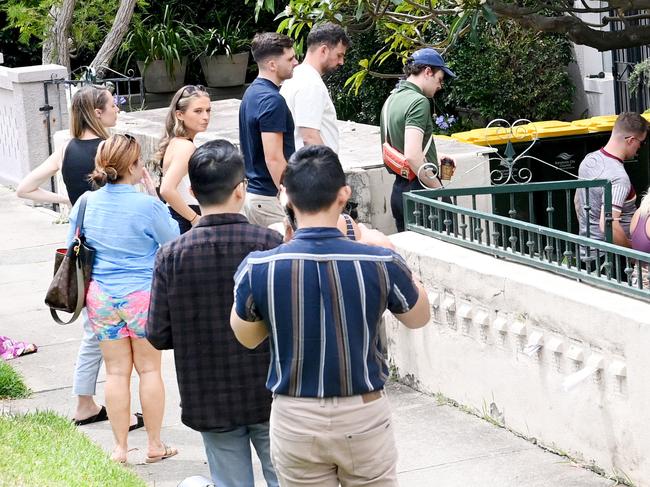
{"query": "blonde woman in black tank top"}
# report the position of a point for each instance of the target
(92, 112)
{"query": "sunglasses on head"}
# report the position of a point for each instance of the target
(129, 137)
(191, 89)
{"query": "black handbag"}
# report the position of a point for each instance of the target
(72, 270)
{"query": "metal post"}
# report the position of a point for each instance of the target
(47, 108)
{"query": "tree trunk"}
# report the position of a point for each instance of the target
(55, 48)
(114, 38)
(49, 49)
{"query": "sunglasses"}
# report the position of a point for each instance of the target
(245, 181)
(189, 90)
(128, 137)
(641, 142)
(132, 140)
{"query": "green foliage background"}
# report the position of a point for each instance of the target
(28, 20)
(16, 53)
(504, 70)
(511, 72)
(365, 107)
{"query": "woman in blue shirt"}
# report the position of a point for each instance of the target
(126, 228)
(92, 112)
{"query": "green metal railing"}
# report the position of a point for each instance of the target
(436, 213)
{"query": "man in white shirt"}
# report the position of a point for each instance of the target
(307, 96)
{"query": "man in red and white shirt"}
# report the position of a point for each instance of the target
(628, 135)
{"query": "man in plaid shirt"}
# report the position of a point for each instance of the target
(221, 383)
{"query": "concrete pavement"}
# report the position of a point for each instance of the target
(438, 445)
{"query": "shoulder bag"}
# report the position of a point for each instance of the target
(72, 271)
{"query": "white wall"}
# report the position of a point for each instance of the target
(486, 311)
(361, 157)
(23, 133)
(599, 91)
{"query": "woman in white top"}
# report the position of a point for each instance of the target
(189, 114)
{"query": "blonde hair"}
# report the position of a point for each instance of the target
(82, 115)
(173, 126)
(115, 156)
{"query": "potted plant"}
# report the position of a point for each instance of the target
(223, 53)
(160, 49)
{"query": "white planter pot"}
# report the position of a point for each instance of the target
(221, 71)
(158, 80)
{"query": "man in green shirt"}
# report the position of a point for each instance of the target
(407, 121)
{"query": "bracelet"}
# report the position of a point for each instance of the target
(196, 215)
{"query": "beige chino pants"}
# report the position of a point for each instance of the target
(321, 442)
(263, 210)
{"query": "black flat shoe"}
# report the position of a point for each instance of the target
(139, 423)
(100, 416)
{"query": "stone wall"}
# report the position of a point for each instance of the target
(23, 129)
(503, 340)
(360, 156)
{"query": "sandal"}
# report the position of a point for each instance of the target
(139, 423)
(169, 452)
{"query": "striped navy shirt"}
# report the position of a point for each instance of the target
(322, 297)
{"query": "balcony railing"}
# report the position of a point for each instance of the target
(436, 213)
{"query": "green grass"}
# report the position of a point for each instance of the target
(11, 383)
(45, 449)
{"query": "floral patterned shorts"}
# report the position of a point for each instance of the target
(116, 318)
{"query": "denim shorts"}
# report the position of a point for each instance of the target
(116, 318)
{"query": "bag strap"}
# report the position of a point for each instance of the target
(81, 288)
(383, 117)
(80, 214)
(386, 134)
(81, 291)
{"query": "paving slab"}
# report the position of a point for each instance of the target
(438, 445)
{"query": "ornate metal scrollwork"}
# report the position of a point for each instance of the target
(508, 170)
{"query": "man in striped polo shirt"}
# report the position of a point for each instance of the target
(320, 300)
(629, 133)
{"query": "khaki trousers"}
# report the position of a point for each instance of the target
(321, 442)
(263, 210)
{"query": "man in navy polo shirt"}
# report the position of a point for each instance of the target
(266, 127)
(320, 300)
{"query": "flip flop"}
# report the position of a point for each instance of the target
(169, 452)
(139, 423)
(100, 416)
